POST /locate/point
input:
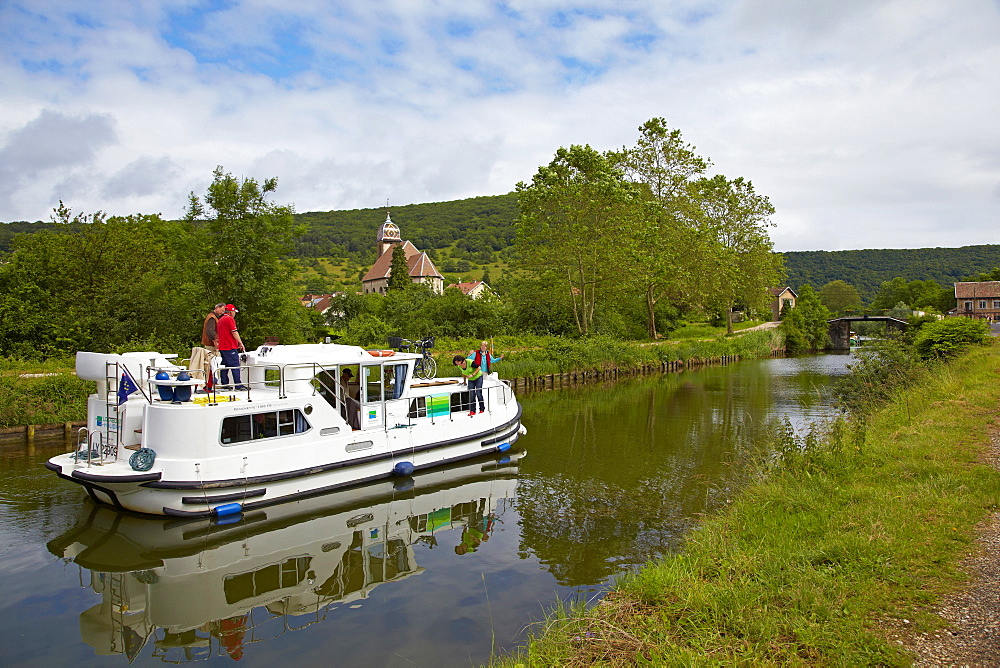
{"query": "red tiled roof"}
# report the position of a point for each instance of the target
(319, 302)
(466, 287)
(418, 264)
(980, 290)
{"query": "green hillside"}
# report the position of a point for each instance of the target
(868, 269)
(475, 229)
(464, 237)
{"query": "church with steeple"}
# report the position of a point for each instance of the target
(418, 264)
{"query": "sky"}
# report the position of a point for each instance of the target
(867, 123)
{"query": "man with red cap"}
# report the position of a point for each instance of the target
(230, 346)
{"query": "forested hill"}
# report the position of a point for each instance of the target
(479, 228)
(474, 229)
(868, 269)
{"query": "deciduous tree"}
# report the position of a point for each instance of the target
(805, 326)
(244, 239)
(573, 223)
(840, 296)
(666, 251)
(737, 219)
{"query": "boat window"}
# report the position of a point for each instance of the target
(240, 428)
(394, 380)
(371, 378)
(418, 407)
(461, 402)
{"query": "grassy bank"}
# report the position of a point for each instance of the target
(843, 534)
(538, 356)
(44, 400)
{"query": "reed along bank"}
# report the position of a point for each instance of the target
(846, 533)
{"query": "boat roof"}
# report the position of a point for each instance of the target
(323, 353)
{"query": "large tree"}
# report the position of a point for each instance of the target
(840, 296)
(92, 282)
(745, 265)
(805, 326)
(246, 239)
(572, 229)
(915, 294)
(666, 250)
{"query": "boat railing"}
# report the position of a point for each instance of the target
(84, 457)
(454, 404)
(454, 400)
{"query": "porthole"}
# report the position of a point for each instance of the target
(308, 409)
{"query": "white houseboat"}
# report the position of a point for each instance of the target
(307, 419)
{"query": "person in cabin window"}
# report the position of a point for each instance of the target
(350, 407)
(484, 358)
(473, 376)
(230, 346)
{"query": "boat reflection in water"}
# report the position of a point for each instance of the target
(204, 587)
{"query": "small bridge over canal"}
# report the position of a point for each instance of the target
(840, 328)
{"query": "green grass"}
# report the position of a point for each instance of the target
(843, 532)
(13, 366)
(529, 356)
(703, 330)
(46, 400)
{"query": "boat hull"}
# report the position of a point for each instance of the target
(152, 493)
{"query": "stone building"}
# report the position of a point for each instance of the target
(418, 264)
(978, 300)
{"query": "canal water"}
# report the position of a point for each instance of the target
(440, 569)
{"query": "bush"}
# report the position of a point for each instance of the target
(45, 400)
(948, 337)
(366, 331)
(882, 368)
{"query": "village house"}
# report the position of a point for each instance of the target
(980, 300)
(780, 298)
(473, 289)
(420, 267)
(319, 303)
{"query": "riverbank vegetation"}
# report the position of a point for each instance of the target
(849, 530)
(525, 357)
(48, 399)
(99, 282)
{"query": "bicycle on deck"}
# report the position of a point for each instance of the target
(425, 367)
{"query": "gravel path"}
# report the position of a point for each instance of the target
(971, 636)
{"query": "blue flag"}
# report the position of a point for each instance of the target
(125, 388)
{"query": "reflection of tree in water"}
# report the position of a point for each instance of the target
(619, 472)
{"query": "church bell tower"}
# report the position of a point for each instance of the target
(387, 237)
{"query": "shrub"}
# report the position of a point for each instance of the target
(882, 367)
(366, 330)
(948, 337)
(45, 400)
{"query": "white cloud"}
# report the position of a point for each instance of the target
(867, 123)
